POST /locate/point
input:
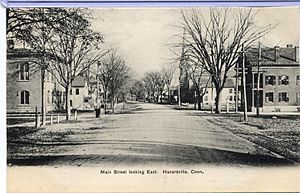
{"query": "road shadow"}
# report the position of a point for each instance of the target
(143, 152)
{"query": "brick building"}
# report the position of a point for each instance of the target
(279, 88)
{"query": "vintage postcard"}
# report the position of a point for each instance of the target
(149, 99)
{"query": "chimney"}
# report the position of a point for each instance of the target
(276, 53)
(297, 53)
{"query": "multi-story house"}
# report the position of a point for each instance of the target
(279, 87)
(227, 97)
(79, 94)
(24, 85)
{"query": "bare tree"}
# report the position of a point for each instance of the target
(62, 41)
(216, 39)
(155, 82)
(18, 19)
(168, 72)
(139, 90)
(73, 50)
(150, 86)
(35, 28)
(113, 75)
(200, 78)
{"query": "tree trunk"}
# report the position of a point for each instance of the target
(113, 104)
(199, 100)
(217, 101)
(169, 97)
(105, 101)
(43, 108)
(68, 107)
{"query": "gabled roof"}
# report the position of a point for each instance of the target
(229, 83)
(79, 81)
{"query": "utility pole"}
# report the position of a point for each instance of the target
(179, 92)
(244, 84)
(195, 100)
(258, 80)
(98, 106)
(212, 96)
(43, 95)
(97, 79)
(180, 68)
(236, 88)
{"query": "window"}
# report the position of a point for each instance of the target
(48, 97)
(298, 80)
(24, 71)
(298, 97)
(70, 91)
(77, 91)
(24, 97)
(230, 98)
(230, 90)
(283, 97)
(71, 103)
(270, 80)
(283, 80)
(269, 97)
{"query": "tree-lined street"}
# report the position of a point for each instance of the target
(141, 133)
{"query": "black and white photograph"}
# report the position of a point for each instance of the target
(152, 99)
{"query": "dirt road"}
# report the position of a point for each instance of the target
(145, 134)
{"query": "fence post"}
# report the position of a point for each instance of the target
(75, 116)
(51, 119)
(227, 106)
(57, 117)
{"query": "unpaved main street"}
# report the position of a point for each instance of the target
(142, 134)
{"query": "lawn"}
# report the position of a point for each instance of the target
(280, 134)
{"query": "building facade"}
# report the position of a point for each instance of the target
(279, 79)
(79, 94)
(227, 97)
(24, 85)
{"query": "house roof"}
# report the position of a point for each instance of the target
(276, 56)
(229, 83)
(79, 81)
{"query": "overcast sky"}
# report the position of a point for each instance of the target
(143, 36)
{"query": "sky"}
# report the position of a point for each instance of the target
(144, 36)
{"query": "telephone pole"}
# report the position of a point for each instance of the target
(244, 84)
(236, 101)
(180, 68)
(258, 81)
(212, 96)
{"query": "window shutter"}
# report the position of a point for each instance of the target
(279, 97)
